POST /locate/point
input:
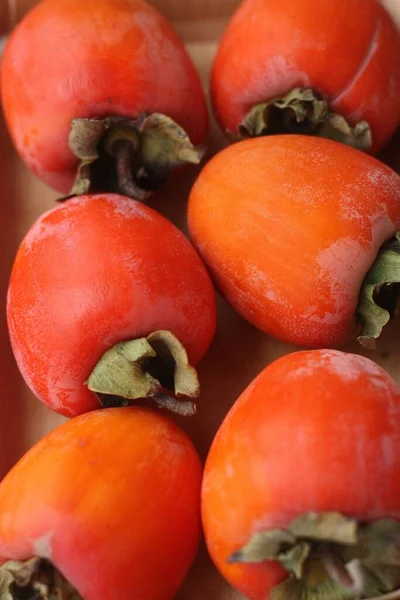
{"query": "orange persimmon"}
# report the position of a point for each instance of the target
(110, 500)
(278, 60)
(104, 285)
(306, 468)
(78, 78)
(290, 227)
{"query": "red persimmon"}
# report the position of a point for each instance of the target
(328, 67)
(291, 228)
(109, 501)
(77, 79)
(102, 273)
(306, 466)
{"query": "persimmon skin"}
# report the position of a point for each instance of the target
(289, 227)
(69, 59)
(95, 271)
(112, 499)
(315, 431)
(346, 50)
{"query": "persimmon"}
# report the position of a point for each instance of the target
(107, 504)
(324, 67)
(301, 488)
(294, 232)
(101, 96)
(107, 296)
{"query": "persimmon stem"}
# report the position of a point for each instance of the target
(336, 569)
(140, 154)
(183, 408)
(124, 153)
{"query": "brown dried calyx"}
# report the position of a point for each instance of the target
(303, 111)
(146, 368)
(330, 557)
(34, 579)
(130, 157)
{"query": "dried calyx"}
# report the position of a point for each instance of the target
(379, 297)
(130, 157)
(303, 111)
(328, 556)
(151, 367)
(34, 579)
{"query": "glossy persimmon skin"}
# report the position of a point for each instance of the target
(315, 431)
(289, 227)
(112, 499)
(347, 50)
(95, 271)
(96, 58)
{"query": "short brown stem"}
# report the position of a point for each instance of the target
(129, 156)
(124, 153)
(335, 568)
(179, 407)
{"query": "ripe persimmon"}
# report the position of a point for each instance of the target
(108, 504)
(103, 93)
(293, 229)
(301, 488)
(325, 67)
(107, 295)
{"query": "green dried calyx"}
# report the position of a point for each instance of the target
(151, 367)
(34, 579)
(131, 157)
(378, 301)
(303, 111)
(330, 557)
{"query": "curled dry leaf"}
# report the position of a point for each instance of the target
(143, 368)
(34, 579)
(302, 111)
(331, 556)
(379, 294)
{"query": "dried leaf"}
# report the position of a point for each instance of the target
(289, 589)
(379, 294)
(320, 587)
(119, 371)
(284, 115)
(337, 128)
(293, 560)
(264, 545)
(36, 579)
(301, 110)
(84, 138)
(328, 527)
(331, 557)
(82, 181)
(142, 368)
(165, 145)
(186, 380)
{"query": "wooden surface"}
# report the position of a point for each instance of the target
(239, 351)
